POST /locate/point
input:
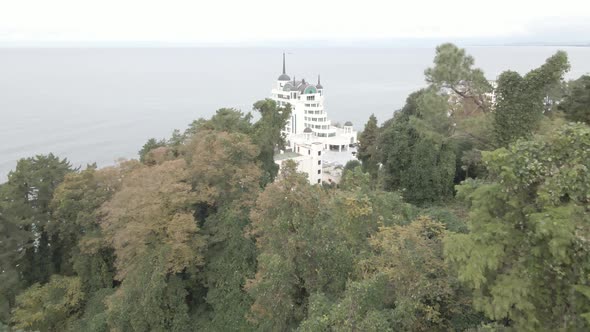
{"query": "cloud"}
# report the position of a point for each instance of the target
(270, 20)
(560, 29)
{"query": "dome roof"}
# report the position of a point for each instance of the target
(288, 87)
(307, 89)
(307, 130)
(348, 124)
(302, 87)
(284, 77)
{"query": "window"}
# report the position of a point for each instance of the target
(319, 162)
(309, 152)
(319, 153)
(319, 171)
(319, 181)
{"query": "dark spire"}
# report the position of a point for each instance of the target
(284, 76)
(319, 86)
(284, 72)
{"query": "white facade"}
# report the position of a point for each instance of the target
(309, 159)
(308, 132)
(307, 111)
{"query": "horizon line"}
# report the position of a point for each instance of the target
(366, 42)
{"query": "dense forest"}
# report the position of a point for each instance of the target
(467, 211)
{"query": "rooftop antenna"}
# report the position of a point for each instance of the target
(319, 79)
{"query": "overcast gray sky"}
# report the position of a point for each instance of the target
(224, 21)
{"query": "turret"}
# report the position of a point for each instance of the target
(348, 127)
(307, 132)
(319, 85)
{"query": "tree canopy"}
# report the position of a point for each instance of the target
(520, 105)
(526, 253)
(463, 213)
(576, 104)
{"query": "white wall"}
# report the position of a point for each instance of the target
(309, 162)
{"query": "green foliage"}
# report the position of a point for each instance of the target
(75, 212)
(472, 164)
(526, 251)
(585, 290)
(453, 70)
(447, 217)
(351, 165)
(367, 149)
(410, 257)
(28, 254)
(468, 106)
(404, 285)
(357, 211)
(150, 225)
(267, 135)
(200, 235)
(150, 145)
(225, 119)
(353, 176)
(299, 252)
(360, 309)
(94, 318)
(10, 282)
(223, 167)
(576, 104)
(520, 101)
(417, 157)
(49, 307)
(230, 260)
(152, 209)
(150, 298)
(264, 133)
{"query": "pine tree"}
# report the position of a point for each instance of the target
(367, 149)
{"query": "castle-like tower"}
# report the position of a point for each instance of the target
(309, 122)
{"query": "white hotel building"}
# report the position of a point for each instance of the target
(308, 132)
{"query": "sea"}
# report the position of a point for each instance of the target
(102, 104)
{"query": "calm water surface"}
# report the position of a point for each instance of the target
(98, 105)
